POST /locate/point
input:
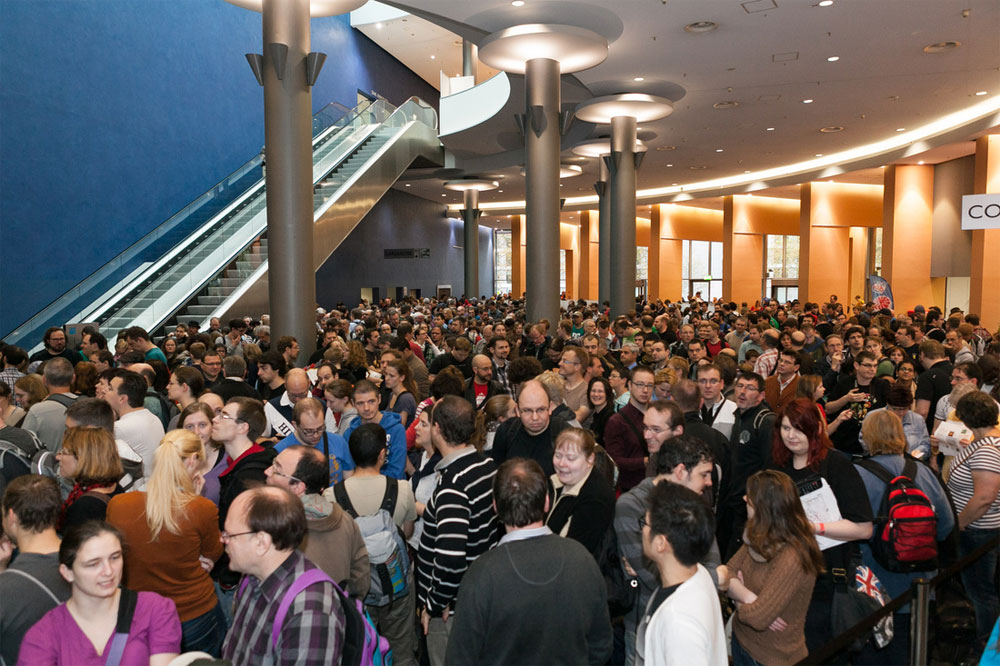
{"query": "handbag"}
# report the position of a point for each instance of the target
(854, 600)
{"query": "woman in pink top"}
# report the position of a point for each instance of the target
(84, 631)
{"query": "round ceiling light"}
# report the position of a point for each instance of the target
(941, 47)
(574, 48)
(565, 170)
(666, 147)
(643, 108)
(477, 184)
(699, 27)
(726, 104)
(598, 147)
(831, 129)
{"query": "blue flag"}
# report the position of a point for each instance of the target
(881, 292)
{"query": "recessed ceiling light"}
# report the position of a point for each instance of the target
(900, 129)
(980, 93)
(444, 195)
(941, 47)
(666, 147)
(379, 26)
(726, 104)
(639, 78)
(819, 154)
(407, 185)
(718, 150)
(921, 162)
(670, 165)
(698, 168)
(770, 129)
(825, 3)
(518, 3)
(833, 59)
(499, 190)
(747, 171)
(805, 101)
(701, 26)
(831, 129)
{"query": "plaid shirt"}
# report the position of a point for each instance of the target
(8, 376)
(313, 630)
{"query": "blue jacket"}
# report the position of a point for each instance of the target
(395, 460)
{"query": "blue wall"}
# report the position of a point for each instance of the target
(114, 114)
(400, 220)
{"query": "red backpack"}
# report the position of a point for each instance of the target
(905, 536)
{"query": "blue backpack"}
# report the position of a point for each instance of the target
(363, 646)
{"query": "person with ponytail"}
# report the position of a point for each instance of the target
(771, 577)
(171, 531)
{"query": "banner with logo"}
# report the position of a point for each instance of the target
(881, 292)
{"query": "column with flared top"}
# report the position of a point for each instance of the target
(470, 219)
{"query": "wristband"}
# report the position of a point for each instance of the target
(822, 529)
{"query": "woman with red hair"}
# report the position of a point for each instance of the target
(802, 450)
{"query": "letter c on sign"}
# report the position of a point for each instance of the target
(991, 211)
(972, 212)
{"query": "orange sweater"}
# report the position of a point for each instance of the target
(169, 566)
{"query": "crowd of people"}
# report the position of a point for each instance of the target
(491, 490)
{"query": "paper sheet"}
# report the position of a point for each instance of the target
(949, 434)
(821, 507)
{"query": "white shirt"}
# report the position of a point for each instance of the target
(686, 629)
(143, 431)
(725, 416)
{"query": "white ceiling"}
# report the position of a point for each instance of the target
(767, 55)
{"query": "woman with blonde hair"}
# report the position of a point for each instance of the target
(89, 458)
(197, 418)
(584, 502)
(771, 576)
(169, 529)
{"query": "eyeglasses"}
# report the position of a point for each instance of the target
(226, 537)
(870, 366)
(229, 417)
(641, 520)
(642, 385)
(287, 476)
(311, 432)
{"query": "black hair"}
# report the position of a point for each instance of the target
(366, 442)
(684, 518)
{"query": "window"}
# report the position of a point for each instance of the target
(782, 257)
(562, 272)
(641, 263)
(502, 262)
(701, 269)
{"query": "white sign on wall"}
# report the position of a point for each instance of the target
(981, 211)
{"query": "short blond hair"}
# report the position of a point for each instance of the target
(883, 433)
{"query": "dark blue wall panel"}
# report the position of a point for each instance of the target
(114, 114)
(399, 221)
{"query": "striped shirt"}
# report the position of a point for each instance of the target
(312, 633)
(980, 456)
(459, 526)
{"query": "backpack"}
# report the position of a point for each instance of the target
(363, 646)
(622, 589)
(15, 461)
(390, 564)
(905, 535)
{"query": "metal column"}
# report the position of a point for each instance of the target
(541, 147)
(622, 167)
(468, 58)
(470, 217)
(603, 234)
(288, 146)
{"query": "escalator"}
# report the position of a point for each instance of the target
(205, 259)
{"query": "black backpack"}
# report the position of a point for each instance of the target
(905, 536)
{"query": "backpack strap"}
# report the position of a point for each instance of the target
(910, 469)
(126, 610)
(881, 472)
(34, 580)
(61, 398)
(389, 498)
(310, 577)
(344, 500)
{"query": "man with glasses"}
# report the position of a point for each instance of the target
(333, 540)
(750, 445)
(962, 373)
(851, 400)
(262, 535)
(623, 437)
(716, 410)
(237, 427)
(54, 342)
(309, 420)
(211, 367)
(279, 409)
(532, 434)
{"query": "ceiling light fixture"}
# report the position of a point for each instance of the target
(980, 93)
(941, 47)
(833, 59)
(900, 129)
(825, 3)
(832, 129)
(433, 57)
(407, 185)
(379, 26)
(718, 150)
(670, 165)
(666, 147)
(921, 162)
(639, 78)
(699, 27)
(518, 3)
(805, 101)
(770, 129)
(726, 104)
(819, 154)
